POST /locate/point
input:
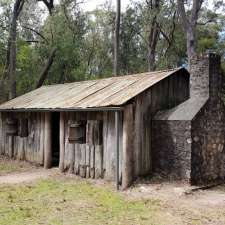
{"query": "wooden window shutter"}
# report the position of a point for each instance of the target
(23, 128)
(77, 132)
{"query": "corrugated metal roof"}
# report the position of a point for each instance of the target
(114, 91)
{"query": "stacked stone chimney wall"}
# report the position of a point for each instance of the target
(208, 127)
(199, 79)
(194, 150)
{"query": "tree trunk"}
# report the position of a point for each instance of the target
(62, 74)
(191, 41)
(46, 69)
(153, 39)
(18, 5)
(117, 38)
(153, 34)
(189, 23)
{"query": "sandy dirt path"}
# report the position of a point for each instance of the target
(26, 177)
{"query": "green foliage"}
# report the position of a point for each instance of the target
(84, 40)
(134, 49)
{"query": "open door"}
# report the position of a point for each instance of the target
(55, 139)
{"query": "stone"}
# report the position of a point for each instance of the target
(189, 141)
(193, 149)
(196, 138)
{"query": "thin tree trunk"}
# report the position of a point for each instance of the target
(62, 74)
(6, 71)
(117, 39)
(153, 34)
(189, 23)
(191, 42)
(18, 5)
(153, 39)
(46, 69)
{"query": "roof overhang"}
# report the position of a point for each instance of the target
(97, 109)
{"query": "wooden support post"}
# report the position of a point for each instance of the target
(117, 148)
(48, 142)
(1, 135)
(11, 146)
(42, 139)
(62, 142)
(128, 147)
(72, 159)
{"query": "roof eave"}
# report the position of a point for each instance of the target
(95, 109)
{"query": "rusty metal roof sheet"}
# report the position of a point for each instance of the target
(114, 91)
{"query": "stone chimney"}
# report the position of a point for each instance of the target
(206, 76)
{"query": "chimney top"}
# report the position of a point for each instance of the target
(206, 79)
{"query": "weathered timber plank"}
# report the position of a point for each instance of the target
(72, 158)
(92, 161)
(82, 165)
(48, 144)
(128, 147)
(87, 161)
(62, 142)
(98, 161)
(42, 138)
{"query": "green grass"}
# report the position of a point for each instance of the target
(72, 202)
(9, 166)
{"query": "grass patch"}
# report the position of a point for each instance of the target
(9, 165)
(60, 203)
(7, 168)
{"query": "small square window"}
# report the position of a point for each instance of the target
(77, 132)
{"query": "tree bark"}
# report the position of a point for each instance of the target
(46, 69)
(153, 34)
(191, 41)
(117, 38)
(18, 5)
(153, 40)
(189, 24)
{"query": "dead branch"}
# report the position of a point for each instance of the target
(46, 69)
(36, 32)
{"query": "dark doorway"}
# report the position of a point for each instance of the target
(55, 139)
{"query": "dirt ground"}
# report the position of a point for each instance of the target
(177, 202)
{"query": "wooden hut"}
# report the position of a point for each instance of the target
(95, 129)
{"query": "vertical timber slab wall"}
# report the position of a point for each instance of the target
(2, 135)
(29, 148)
(163, 95)
(128, 147)
(109, 145)
(94, 160)
(142, 134)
